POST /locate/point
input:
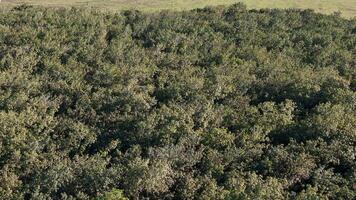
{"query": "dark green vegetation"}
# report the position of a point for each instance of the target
(214, 103)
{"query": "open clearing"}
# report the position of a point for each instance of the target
(346, 7)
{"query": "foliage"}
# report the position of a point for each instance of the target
(213, 103)
(113, 195)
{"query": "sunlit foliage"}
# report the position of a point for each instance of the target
(214, 103)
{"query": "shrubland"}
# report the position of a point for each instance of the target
(213, 103)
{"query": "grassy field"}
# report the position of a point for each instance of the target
(346, 7)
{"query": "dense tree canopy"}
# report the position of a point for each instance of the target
(213, 103)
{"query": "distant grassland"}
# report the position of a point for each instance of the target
(346, 7)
